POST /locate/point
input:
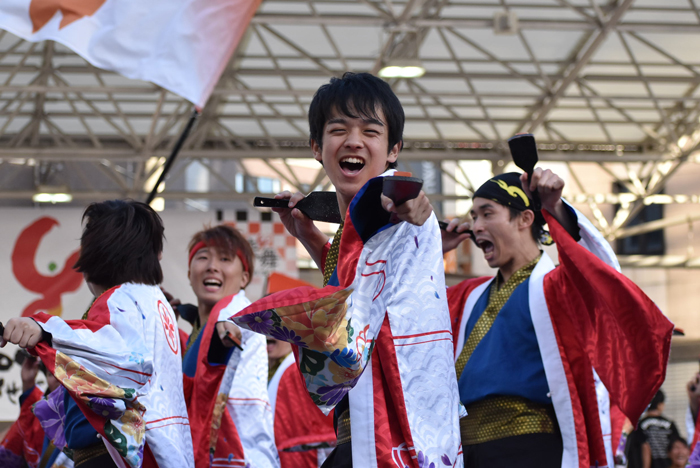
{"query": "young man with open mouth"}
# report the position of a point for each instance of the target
(543, 351)
(375, 343)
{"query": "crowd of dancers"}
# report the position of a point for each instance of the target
(382, 367)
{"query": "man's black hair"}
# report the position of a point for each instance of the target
(121, 243)
(657, 400)
(357, 95)
(535, 227)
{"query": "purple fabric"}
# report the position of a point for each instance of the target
(694, 460)
(109, 408)
(10, 459)
(51, 413)
(259, 322)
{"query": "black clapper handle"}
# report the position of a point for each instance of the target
(318, 206)
(443, 225)
(523, 149)
(271, 202)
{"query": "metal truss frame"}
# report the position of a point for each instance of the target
(615, 74)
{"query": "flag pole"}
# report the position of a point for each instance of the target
(173, 155)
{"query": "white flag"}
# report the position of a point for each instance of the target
(181, 45)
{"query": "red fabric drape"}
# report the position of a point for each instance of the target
(201, 405)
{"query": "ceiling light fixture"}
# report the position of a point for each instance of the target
(403, 68)
(52, 197)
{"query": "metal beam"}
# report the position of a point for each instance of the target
(152, 94)
(267, 117)
(655, 226)
(121, 155)
(472, 23)
(658, 261)
(582, 60)
(324, 73)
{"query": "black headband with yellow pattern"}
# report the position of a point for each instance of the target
(507, 190)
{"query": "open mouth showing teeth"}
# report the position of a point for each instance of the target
(212, 283)
(352, 164)
(486, 246)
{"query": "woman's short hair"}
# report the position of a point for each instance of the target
(229, 240)
(121, 243)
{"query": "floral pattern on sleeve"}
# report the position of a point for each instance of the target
(51, 413)
(330, 360)
(124, 427)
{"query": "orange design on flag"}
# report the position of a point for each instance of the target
(41, 11)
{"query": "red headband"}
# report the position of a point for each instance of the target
(201, 244)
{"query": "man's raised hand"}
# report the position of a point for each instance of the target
(297, 223)
(454, 234)
(301, 226)
(229, 333)
(416, 211)
(549, 186)
(23, 331)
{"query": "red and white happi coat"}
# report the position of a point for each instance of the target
(603, 342)
(382, 337)
(304, 436)
(123, 367)
(23, 442)
(231, 416)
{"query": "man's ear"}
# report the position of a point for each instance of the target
(526, 219)
(245, 279)
(316, 150)
(394, 152)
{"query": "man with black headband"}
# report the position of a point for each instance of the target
(538, 347)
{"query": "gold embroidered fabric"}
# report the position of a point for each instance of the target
(273, 368)
(332, 256)
(344, 428)
(197, 328)
(498, 296)
(47, 454)
(82, 456)
(505, 416)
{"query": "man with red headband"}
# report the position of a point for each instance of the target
(226, 388)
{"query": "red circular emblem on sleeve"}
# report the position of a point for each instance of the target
(168, 327)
